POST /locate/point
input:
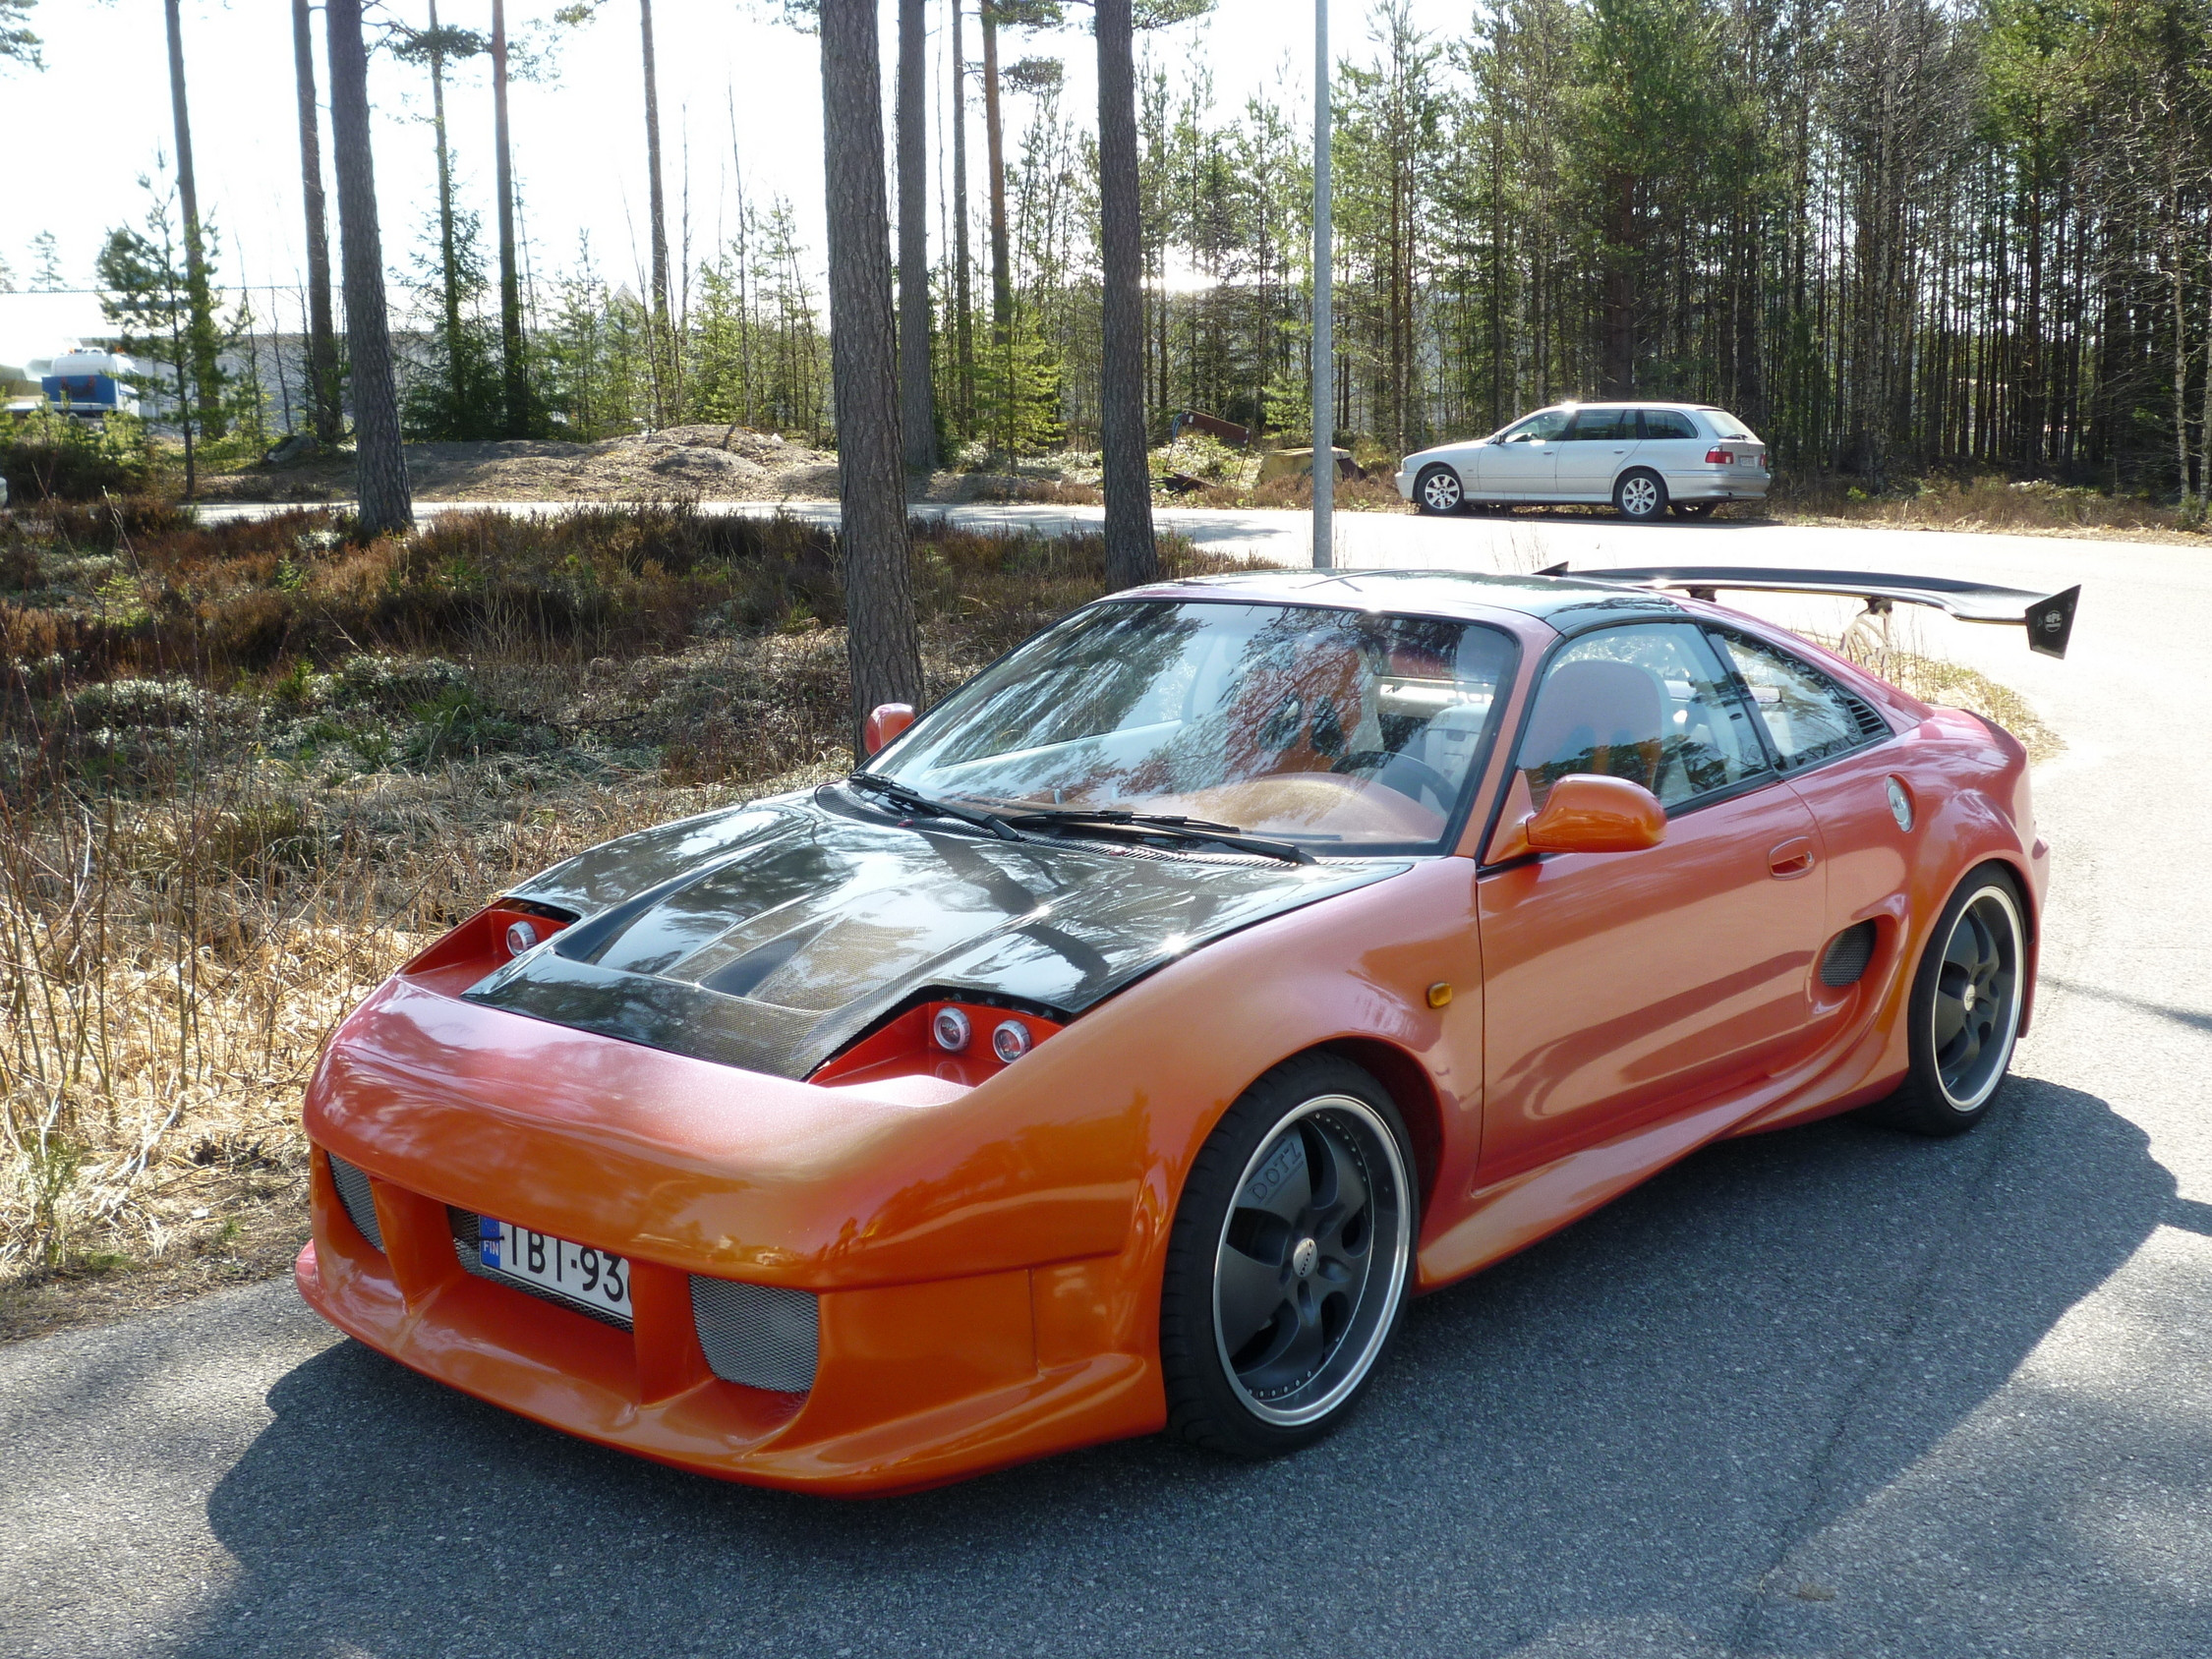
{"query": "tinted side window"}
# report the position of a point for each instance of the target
(1613, 423)
(1667, 423)
(1807, 715)
(1651, 703)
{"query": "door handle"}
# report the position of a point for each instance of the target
(1794, 857)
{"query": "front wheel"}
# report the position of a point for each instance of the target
(1640, 496)
(1289, 1262)
(1964, 1011)
(1437, 491)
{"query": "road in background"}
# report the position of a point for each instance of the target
(1829, 1392)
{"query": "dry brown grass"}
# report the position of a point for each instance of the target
(2036, 507)
(1891, 647)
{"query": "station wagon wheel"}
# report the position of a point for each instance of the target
(1289, 1262)
(1437, 491)
(1964, 1011)
(1640, 496)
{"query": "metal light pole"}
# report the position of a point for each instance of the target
(1324, 332)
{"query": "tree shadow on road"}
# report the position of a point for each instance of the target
(1609, 1444)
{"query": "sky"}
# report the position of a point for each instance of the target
(726, 70)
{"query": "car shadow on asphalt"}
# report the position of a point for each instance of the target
(1636, 1420)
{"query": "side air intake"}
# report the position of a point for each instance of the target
(1848, 955)
(757, 1335)
(360, 1202)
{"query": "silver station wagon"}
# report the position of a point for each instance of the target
(1643, 457)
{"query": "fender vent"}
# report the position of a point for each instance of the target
(757, 1335)
(1848, 955)
(360, 1203)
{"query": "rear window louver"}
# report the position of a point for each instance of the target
(1873, 728)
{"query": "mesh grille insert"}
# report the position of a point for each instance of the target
(467, 1230)
(1848, 955)
(359, 1202)
(757, 1335)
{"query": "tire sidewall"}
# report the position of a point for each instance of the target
(1203, 1404)
(1620, 493)
(1927, 1082)
(1421, 490)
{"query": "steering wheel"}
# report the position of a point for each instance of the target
(1425, 775)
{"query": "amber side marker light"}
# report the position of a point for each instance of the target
(1439, 994)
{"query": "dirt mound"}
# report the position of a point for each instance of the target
(714, 462)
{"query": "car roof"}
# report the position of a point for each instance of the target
(1461, 596)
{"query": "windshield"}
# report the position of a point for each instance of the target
(1335, 730)
(1727, 425)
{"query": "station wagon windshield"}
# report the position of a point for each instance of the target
(1335, 732)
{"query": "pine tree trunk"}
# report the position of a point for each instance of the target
(882, 639)
(1132, 554)
(382, 464)
(449, 268)
(206, 371)
(964, 263)
(516, 373)
(1002, 275)
(323, 344)
(662, 355)
(917, 404)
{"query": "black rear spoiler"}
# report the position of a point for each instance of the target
(2048, 619)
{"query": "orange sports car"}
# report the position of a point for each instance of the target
(1142, 1026)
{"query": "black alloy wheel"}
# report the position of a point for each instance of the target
(1640, 496)
(1966, 1009)
(1438, 491)
(1290, 1260)
(1694, 509)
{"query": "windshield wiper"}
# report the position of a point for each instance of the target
(1149, 824)
(913, 800)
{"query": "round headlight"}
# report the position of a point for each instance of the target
(951, 1030)
(1010, 1041)
(521, 937)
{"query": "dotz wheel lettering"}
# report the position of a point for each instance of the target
(1311, 1260)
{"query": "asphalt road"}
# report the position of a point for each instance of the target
(1830, 1392)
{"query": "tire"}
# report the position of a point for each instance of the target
(1640, 497)
(1254, 1361)
(1438, 492)
(1694, 509)
(1964, 1010)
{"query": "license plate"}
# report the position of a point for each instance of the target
(578, 1271)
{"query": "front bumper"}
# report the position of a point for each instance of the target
(932, 1364)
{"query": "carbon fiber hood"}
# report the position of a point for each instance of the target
(769, 938)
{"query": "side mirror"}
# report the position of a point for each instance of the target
(1586, 812)
(886, 723)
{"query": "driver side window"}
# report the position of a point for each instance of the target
(1538, 429)
(1651, 703)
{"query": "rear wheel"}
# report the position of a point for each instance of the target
(1289, 1262)
(1965, 1010)
(1640, 496)
(1437, 491)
